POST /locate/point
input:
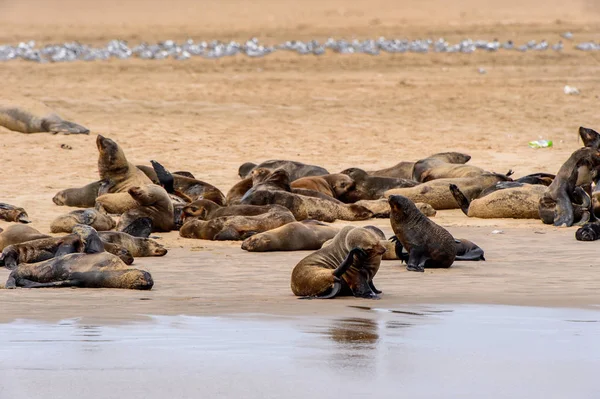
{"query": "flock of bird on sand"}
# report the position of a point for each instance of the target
(282, 205)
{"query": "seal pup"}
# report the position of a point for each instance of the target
(294, 169)
(18, 233)
(98, 270)
(296, 236)
(233, 228)
(404, 170)
(334, 185)
(590, 137)
(90, 217)
(137, 246)
(205, 210)
(371, 187)
(428, 244)
(79, 197)
(345, 267)
(11, 213)
(153, 203)
(35, 117)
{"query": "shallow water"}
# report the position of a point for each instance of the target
(417, 352)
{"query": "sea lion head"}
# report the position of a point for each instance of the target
(59, 199)
(134, 279)
(154, 248)
(377, 231)
(245, 169)
(111, 158)
(199, 209)
(590, 137)
(259, 175)
(402, 207)
(355, 174)
(366, 240)
(342, 184)
(452, 157)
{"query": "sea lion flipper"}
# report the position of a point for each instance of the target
(141, 227)
(460, 198)
(11, 283)
(345, 265)
(165, 177)
(416, 260)
(563, 212)
(65, 127)
(184, 173)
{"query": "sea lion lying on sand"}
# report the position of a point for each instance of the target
(295, 170)
(99, 270)
(90, 217)
(80, 197)
(153, 203)
(296, 236)
(12, 213)
(432, 169)
(333, 185)
(137, 246)
(371, 187)
(35, 117)
(345, 267)
(428, 244)
(404, 170)
(18, 233)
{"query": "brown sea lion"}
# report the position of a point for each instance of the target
(18, 233)
(137, 246)
(334, 185)
(437, 194)
(428, 244)
(153, 203)
(12, 213)
(296, 236)
(368, 187)
(345, 267)
(295, 170)
(205, 210)
(236, 227)
(90, 217)
(381, 208)
(590, 137)
(34, 117)
(92, 243)
(557, 204)
(80, 197)
(404, 170)
(432, 169)
(98, 270)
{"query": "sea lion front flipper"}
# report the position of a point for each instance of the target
(11, 282)
(403, 256)
(141, 227)
(165, 177)
(563, 211)
(375, 290)
(590, 137)
(416, 260)
(460, 198)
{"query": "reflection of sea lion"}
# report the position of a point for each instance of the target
(153, 203)
(206, 210)
(295, 169)
(296, 236)
(137, 246)
(90, 217)
(99, 270)
(345, 267)
(81, 197)
(404, 170)
(236, 227)
(19, 233)
(428, 244)
(12, 213)
(334, 185)
(35, 117)
(437, 194)
(371, 187)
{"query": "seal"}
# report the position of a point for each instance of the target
(296, 236)
(153, 203)
(428, 244)
(404, 170)
(233, 228)
(205, 210)
(371, 187)
(557, 204)
(34, 117)
(294, 169)
(433, 168)
(79, 197)
(138, 246)
(12, 213)
(334, 185)
(90, 217)
(98, 270)
(345, 267)
(18, 233)
(381, 208)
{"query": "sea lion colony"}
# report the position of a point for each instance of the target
(282, 205)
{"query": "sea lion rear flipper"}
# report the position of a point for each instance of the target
(337, 287)
(165, 177)
(403, 256)
(460, 198)
(141, 227)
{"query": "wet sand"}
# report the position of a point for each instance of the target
(210, 116)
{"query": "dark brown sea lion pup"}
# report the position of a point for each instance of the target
(557, 204)
(205, 210)
(295, 169)
(90, 217)
(371, 187)
(428, 244)
(12, 213)
(334, 185)
(99, 270)
(137, 246)
(34, 117)
(236, 227)
(80, 197)
(153, 203)
(18, 233)
(404, 170)
(345, 267)
(296, 236)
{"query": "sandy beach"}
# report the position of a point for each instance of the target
(210, 116)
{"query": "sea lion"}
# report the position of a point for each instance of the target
(119, 175)
(137, 246)
(239, 189)
(18, 233)
(245, 169)
(520, 202)
(590, 137)
(92, 243)
(296, 236)
(80, 197)
(588, 232)
(205, 210)
(98, 270)
(153, 203)
(381, 208)
(35, 117)
(428, 244)
(468, 250)
(12, 213)
(433, 168)
(557, 204)
(294, 169)
(368, 187)
(404, 170)
(345, 267)
(334, 185)
(236, 227)
(90, 217)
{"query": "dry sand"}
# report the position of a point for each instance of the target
(338, 111)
